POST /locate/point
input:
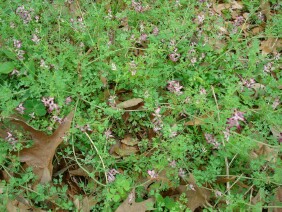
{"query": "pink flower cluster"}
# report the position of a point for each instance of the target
(152, 174)
(24, 14)
(234, 120)
(138, 6)
(20, 108)
(84, 128)
(49, 103)
(174, 87)
(211, 140)
(157, 121)
(10, 138)
(111, 175)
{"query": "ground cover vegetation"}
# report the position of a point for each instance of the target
(120, 105)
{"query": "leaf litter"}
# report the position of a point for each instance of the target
(40, 155)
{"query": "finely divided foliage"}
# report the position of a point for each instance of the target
(124, 105)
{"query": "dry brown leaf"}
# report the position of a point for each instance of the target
(128, 140)
(271, 45)
(198, 120)
(120, 150)
(129, 205)
(41, 154)
(125, 150)
(276, 131)
(17, 206)
(219, 7)
(257, 30)
(265, 9)
(196, 198)
(129, 103)
(269, 153)
(85, 204)
(81, 172)
(236, 5)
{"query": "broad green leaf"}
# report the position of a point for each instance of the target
(34, 106)
(6, 67)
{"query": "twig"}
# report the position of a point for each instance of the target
(98, 155)
(225, 158)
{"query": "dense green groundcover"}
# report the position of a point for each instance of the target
(202, 127)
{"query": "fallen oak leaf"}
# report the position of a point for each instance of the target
(197, 196)
(40, 155)
(130, 205)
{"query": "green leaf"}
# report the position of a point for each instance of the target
(34, 106)
(6, 67)
(9, 54)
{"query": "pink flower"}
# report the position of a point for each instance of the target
(249, 83)
(181, 173)
(143, 37)
(57, 119)
(201, 19)
(108, 134)
(49, 103)
(211, 140)
(234, 120)
(174, 87)
(15, 72)
(192, 187)
(17, 44)
(10, 138)
(152, 174)
(35, 39)
(174, 57)
(138, 6)
(157, 122)
(203, 91)
(156, 31)
(20, 108)
(111, 175)
(173, 164)
(68, 100)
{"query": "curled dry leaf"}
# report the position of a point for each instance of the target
(129, 103)
(40, 155)
(130, 205)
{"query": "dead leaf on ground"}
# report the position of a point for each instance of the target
(276, 131)
(271, 45)
(197, 197)
(236, 5)
(120, 150)
(81, 172)
(85, 204)
(198, 120)
(129, 103)
(219, 7)
(41, 154)
(128, 140)
(129, 205)
(269, 153)
(17, 206)
(265, 9)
